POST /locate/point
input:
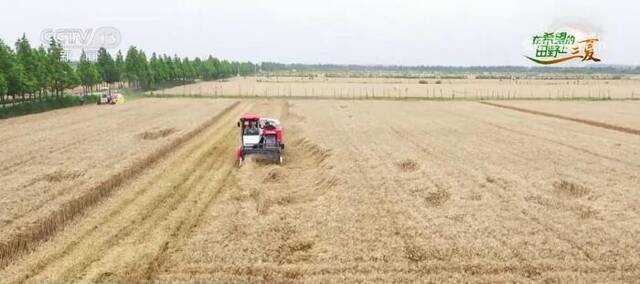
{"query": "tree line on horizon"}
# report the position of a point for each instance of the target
(28, 73)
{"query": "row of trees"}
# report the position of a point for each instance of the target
(33, 71)
(29, 73)
(139, 71)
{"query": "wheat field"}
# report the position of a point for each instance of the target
(57, 163)
(398, 88)
(370, 191)
(319, 142)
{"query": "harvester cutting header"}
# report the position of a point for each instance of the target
(261, 137)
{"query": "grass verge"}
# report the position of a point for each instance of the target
(45, 105)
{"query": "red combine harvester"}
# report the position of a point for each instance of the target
(261, 137)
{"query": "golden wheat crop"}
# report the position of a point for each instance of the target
(370, 191)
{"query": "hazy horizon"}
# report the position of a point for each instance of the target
(403, 33)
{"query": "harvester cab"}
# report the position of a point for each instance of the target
(261, 137)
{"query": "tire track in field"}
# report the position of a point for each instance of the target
(303, 158)
(43, 229)
(185, 230)
(180, 233)
(185, 227)
(578, 120)
(162, 209)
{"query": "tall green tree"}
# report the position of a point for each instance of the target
(137, 71)
(27, 58)
(171, 66)
(6, 64)
(16, 80)
(42, 70)
(87, 73)
(13, 72)
(143, 70)
(120, 67)
(179, 67)
(71, 79)
(155, 68)
(3, 85)
(137, 68)
(107, 66)
(131, 67)
(188, 69)
(3, 88)
(57, 80)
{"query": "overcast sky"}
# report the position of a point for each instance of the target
(410, 32)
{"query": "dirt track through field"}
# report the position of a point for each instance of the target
(579, 120)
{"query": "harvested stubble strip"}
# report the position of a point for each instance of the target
(43, 229)
(579, 120)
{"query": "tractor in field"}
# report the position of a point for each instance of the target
(260, 137)
(105, 96)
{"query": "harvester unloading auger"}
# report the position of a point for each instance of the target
(260, 137)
